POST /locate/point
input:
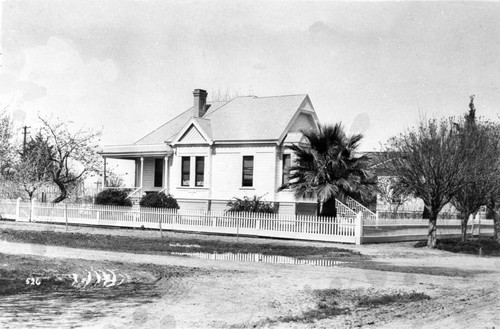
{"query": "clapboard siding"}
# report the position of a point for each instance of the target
(227, 172)
(303, 122)
(190, 192)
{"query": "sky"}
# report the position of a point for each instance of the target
(126, 67)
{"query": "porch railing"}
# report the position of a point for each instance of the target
(134, 192)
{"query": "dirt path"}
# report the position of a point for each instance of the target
(241, 295)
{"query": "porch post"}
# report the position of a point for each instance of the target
(209, 172)
(142, 171)
(104, 174)
(166, 173)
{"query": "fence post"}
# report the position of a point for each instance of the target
(160, 214)
(18, 209)
(478, 225)
(66, 215)
(32, 209)
(214, 221)
(358, 228)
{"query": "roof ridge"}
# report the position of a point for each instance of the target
(279, 96)
(137, 141)
(220, 107)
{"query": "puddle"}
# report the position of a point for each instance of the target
(68, 300)
(260, 258)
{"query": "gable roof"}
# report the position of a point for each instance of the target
(168, 131)
(195, 131)
(246, 118)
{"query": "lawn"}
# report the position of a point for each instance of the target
(171, 244)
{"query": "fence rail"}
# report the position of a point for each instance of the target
(413, 229)
(340, 229)
(411, 214)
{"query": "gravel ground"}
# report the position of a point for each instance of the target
(244, 294)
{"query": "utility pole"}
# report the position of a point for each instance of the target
(25, 133)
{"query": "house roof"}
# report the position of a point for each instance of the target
(169, 130)
(247, 118)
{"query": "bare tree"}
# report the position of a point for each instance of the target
(29, 171)
(430, 162)
(390, 193)
(220, 95)
(493, 206)
(6, 145)
(484, 166)
(73, 155)
(113, 179)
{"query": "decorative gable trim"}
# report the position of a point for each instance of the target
(305, 108)
(192, 133)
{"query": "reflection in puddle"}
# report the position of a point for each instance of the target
(260, 258)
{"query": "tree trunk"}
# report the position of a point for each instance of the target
(329, 208)
(63, 192)
(496, 226)
(464, 222)
(425, 213)
(431, 235)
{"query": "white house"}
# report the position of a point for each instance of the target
(220, 150)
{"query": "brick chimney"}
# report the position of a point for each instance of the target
(200, 103)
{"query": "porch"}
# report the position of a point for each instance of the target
(151, 166)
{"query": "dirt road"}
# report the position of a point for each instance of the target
(241, 295)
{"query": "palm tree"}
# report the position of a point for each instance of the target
(328, 166)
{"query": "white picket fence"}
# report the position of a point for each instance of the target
(301, 227)
(346, 229)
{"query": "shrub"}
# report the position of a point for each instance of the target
(113, 197)
(250, 205)
(399, 297)
(159, 200)
(487, 246)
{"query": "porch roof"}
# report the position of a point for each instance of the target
(132, 151)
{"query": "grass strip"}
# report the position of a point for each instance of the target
(398, 297)
(482, 246)
(167, 245)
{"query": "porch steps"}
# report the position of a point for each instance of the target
(357, 207)
(343, 210)
(135, 200)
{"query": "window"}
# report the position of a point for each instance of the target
(186, 166)
(200, 171)
(247, 171)
(158, 172)
(287, 161)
